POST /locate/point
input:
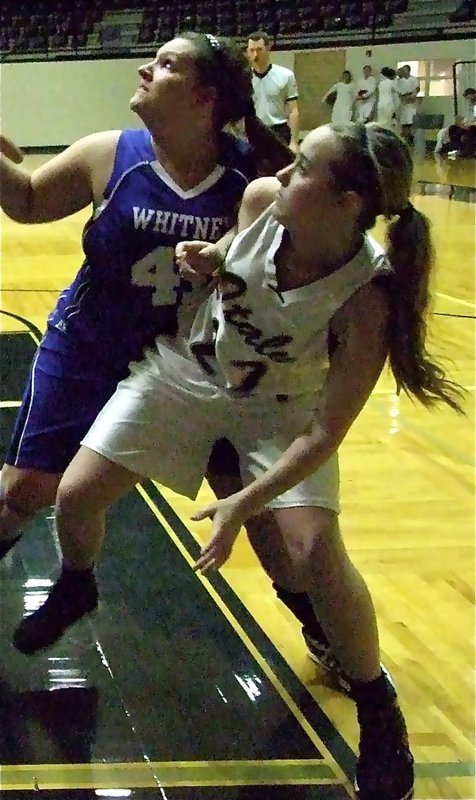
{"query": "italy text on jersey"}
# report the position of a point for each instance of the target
(243, 375)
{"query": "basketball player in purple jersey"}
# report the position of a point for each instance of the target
(178, 177)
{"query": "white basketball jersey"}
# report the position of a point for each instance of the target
(251, 338)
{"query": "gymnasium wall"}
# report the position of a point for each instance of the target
(47, 104)
(50, 104)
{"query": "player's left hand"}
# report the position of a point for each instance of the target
(199, 263)
(227, 516)
(10, 149)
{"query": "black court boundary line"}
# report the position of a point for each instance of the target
(325, 729)
(35, 332)
(453, 316)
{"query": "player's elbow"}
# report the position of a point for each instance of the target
(18, 204)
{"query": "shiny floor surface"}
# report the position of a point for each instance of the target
(163, 689)
(188, 689)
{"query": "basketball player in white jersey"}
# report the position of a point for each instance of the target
(344, 92)
(407, 87)
(281, 360)
(366, 95)
(388, 99)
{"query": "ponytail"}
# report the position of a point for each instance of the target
(376, 164)
(269, 151)
(410, 252)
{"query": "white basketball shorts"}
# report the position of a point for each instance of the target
(163, 427)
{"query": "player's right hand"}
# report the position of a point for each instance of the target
(10, 150)
(198, 259)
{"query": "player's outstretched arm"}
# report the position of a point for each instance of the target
(60, 187)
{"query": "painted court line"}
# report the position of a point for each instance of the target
(457, 300)
(165, 773)
(249, 644)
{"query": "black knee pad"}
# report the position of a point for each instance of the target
(7, 544)
(224, 459)
(298, 603)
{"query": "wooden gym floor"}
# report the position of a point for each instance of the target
(188, 688)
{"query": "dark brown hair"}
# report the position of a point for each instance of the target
(221, 63)
(376, 163)
(255, 36)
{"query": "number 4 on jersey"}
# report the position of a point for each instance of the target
(155, 271)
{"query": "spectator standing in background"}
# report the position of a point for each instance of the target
(275, 91)
(344, 94)
(407, 87)
(388, 100)
(366, 95)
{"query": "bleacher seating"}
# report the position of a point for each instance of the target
(55, 27)
(466, 12)
(41, 26)
(436, 20)
(277, 17)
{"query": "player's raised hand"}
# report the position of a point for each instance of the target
(10, 150)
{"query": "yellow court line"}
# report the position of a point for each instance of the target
(148, 774)
(305, 725)
(34, 337)
(198, 765)
(22, 332)
(17, 403)
(456, 300)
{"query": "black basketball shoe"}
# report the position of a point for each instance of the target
(73, 596)
(385, 764)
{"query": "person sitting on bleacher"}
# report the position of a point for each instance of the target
(459, 139)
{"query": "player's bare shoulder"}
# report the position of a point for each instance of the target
(258, 195)
(91, 156)
(99, 152)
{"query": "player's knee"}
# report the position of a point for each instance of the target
(83, 492)
(328, 560)
(73, 498)
(318, 557)
(25, 495)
